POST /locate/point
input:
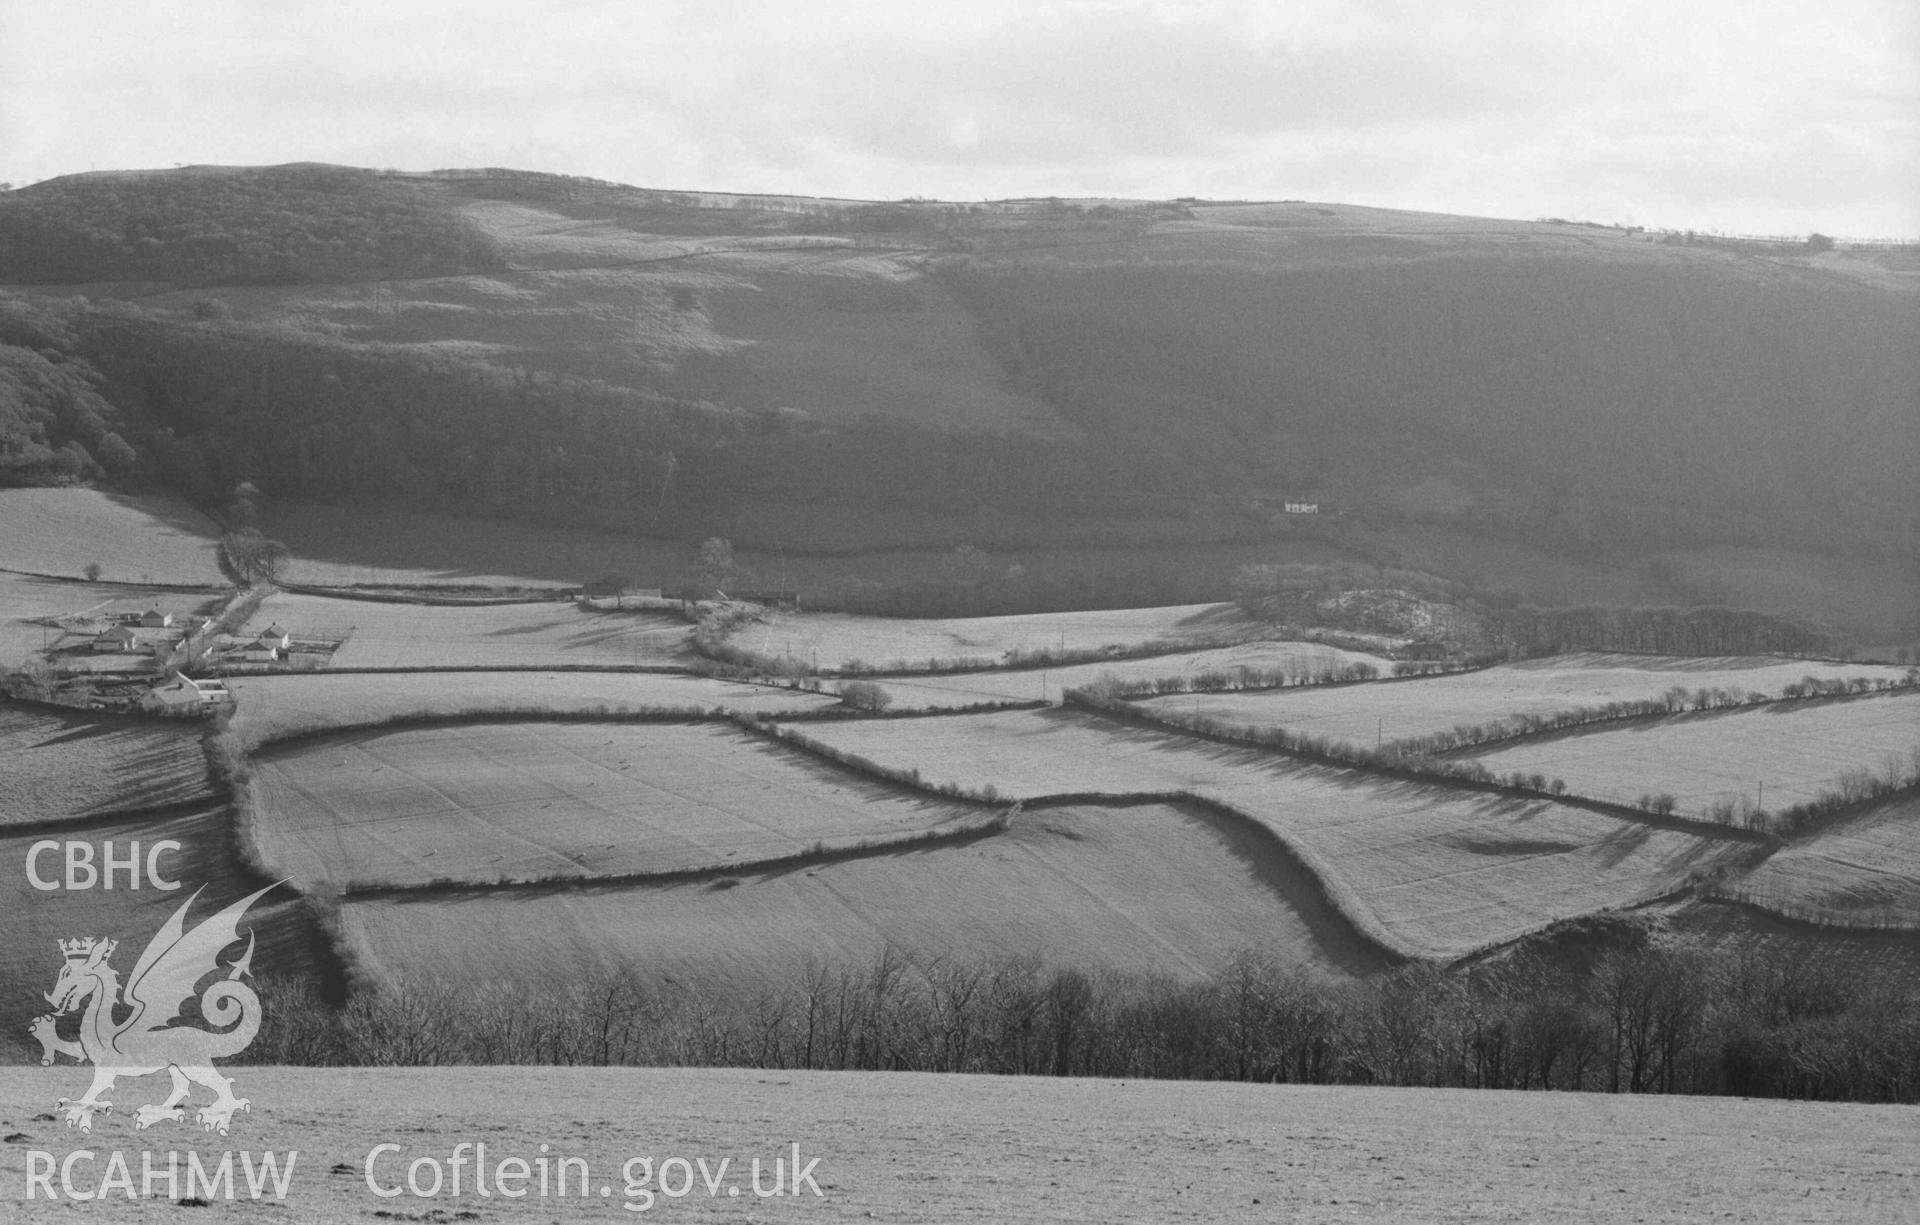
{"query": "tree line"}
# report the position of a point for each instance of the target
(1610, 1004)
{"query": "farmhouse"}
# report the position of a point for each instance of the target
(275, 637)
(183, 693)
(251, 651)
(119, 638)
(154, 619)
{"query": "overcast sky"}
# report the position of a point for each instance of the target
(1738, 115)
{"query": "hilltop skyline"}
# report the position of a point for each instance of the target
(1782, 119)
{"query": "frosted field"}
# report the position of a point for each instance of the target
(1140, 888)
(1428, 871)
(1796, 751)
(491, 801)
(270, 707)
(143, 538)
(1027, 684)
(1366, 714)
(900, 1146)
(831, 641)
(55, 766)
(1863, 871)
(381, 635)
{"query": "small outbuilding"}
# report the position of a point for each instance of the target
(179, 694)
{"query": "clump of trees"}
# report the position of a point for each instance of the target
(248, 558)
(277, 225)
(865, 696)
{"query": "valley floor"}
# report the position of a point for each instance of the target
(928, 1148)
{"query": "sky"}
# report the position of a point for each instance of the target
(1743, 116)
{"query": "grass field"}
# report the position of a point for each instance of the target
(896, 1146)
(491, 801)
(270, 707)
(829, 641)
(135, 538)
(1792, 753)
(56, 765)
(344, 545)
(1428, 871)
(1863, 871)
(1149, 889)
(380, 635)
(1026, 684)
(32, 920)
(1364, 714)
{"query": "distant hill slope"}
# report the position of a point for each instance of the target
(573, 351)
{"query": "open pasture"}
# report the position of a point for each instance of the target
(1863, 871)
(56, 765)
(1775, 757)
(1149, 889)
(1429, 871)
(382, 635)
(272, 707)
(1368, 714)
(839, 641)
(134, 538)
(341, 545)
(940, 1147)
(935, 692)
(492, 801)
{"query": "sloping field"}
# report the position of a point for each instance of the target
(344, 545)
(1862, 872)
(271, 707)
(381, 635)
(55, 765)
(1429, 871)
(1402, 710)
(493, 801)
(1792, 753)
(143, 538)
(24, 599)
(909, 1146)
(1151, 889)
(32, 920)
(832, 641)
(968, 688)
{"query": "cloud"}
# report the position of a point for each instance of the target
(1716, 115)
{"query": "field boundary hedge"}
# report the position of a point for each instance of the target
(818, 853)
(83, 580)
(1575, 719)
(1470, 777)
(409, 595)
(1819, 919)
(1336, 894)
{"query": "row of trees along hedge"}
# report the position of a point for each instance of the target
(1611, 1005)
(1665, 631)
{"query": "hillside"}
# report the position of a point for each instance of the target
(1014, 375)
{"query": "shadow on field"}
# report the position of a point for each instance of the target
(289, 942)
